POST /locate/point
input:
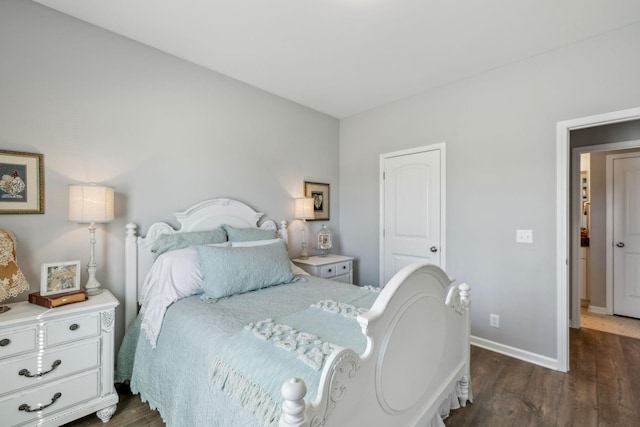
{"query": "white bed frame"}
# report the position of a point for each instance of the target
(417, 337)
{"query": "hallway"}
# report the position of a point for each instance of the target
(618, 325)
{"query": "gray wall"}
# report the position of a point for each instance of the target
(500, 134)
(165, 133)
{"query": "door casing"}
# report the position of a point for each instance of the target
(563, 221)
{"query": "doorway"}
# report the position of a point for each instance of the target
(568, 230)
(595, 270)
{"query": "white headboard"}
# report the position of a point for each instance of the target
(206, 215)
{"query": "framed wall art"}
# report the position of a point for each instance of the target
(320, 194)
(60, 277)
(21, 183)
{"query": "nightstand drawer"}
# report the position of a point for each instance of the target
(333, 270)
(18, 341)
(72, 329)
(332, 267)
(343, 268)
(345, 278)
(327, 271)
(21, 408)
(49, 365)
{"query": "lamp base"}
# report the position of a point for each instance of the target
(4, 308)
(93, 291)
(93, 286)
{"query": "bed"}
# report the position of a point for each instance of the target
(304, 352)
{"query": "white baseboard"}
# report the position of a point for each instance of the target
(516, 353)
(597, 310)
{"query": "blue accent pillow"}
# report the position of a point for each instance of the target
(249, 234)
(230, 271)
(171, 242)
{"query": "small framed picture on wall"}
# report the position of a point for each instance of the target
(21, 183)
(320, 194)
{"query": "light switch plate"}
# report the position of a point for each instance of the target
(524, 236)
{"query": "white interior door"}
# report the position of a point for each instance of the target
(411, 201)
(626, 234)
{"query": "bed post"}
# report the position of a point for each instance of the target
(284, 234)
(293, 406)
(130, 275)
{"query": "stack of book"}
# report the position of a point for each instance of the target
(52, 301)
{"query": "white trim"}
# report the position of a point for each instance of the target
(516, 353)
(562, 297)
(597, 310)
(608, 239)
(562, 203)
(443, 186)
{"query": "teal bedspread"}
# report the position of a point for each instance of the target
(179, 376)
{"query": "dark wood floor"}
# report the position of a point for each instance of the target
(601, 389)
(131, 412)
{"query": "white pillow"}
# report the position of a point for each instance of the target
(174, 275)
(294, 268)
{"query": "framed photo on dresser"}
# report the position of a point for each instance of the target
(59, 278)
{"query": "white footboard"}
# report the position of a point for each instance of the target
(417, 359)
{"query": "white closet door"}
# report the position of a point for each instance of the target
(411, 211)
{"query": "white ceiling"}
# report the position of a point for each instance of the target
(342, 57)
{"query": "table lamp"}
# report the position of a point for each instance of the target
(303, 212)
(91, 204)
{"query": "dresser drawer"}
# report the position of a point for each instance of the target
(72, 329)
(21, 408)
(18, 341)
(49, 365)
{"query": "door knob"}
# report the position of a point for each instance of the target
(433, 249)
(620, 245)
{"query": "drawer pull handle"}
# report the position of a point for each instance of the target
(74, 326)
(5, 342)
(344, 267)
(330, 270)
(26, 373)
(27, 408)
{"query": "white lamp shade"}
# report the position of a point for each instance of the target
(304, 208)
(90, 203)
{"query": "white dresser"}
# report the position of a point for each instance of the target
(333, 267)
(57, 364)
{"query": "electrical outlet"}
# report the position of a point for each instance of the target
(524, 236)
(494, 320)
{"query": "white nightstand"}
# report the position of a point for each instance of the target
(334, 267)
(57, 364)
